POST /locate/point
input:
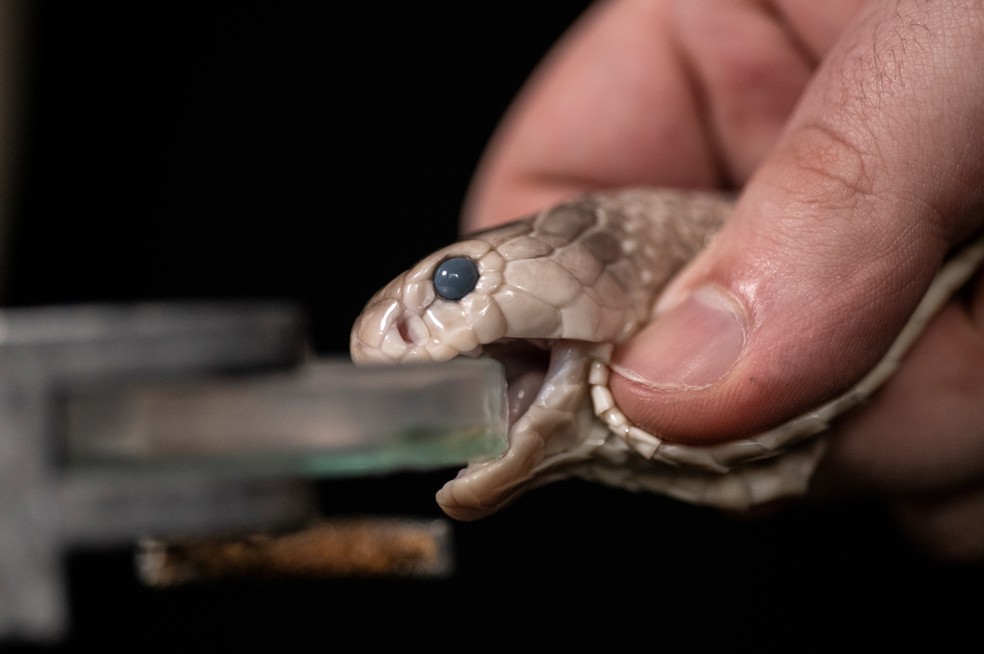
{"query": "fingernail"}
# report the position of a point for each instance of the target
(693, 345)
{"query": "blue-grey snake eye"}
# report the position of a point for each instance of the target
(455, 278)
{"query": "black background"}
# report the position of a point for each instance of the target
(220, 150)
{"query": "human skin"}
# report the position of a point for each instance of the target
(853, 130)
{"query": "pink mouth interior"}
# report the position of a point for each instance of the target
(525, 366)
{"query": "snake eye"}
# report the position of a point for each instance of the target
(455, 278)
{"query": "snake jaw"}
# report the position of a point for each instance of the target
(389, 332)
(402, 324)
(552, 427)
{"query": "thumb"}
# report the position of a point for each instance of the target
(833, 241)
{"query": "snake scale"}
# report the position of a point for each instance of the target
(550, 296)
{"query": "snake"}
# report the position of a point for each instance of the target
(551, 295)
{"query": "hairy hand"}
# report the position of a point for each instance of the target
(854, 131)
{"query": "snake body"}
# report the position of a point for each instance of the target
(551, 295)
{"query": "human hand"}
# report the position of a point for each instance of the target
(854, 129)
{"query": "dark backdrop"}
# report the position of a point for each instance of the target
(309, 151)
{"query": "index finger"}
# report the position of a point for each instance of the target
(645, 93)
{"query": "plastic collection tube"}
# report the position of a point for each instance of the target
(325, 418)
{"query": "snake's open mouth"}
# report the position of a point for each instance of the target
(525, 364)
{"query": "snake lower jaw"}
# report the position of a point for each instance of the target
(540, 452)
(552, 427)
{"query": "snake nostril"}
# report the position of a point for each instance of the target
(411, 329)
(404, 331)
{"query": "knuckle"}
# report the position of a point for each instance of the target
(833, 168)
